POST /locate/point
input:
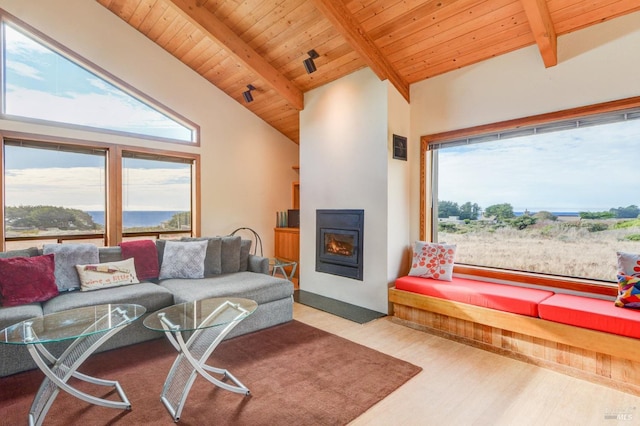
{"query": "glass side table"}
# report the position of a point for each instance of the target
(279, 266)
(208, 321)
(89, 328)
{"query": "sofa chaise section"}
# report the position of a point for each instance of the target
(273, 295)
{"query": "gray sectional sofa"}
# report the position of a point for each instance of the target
(229, 271)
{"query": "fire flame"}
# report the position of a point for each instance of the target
(341, 248)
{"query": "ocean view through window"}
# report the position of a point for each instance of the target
(138, 219)
(556, 199)
(156, 193)
(48, 189)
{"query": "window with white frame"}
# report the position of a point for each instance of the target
(45, 82)
(558, 198)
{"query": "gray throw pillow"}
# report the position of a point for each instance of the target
(230, 256)
(110, 254)
(212, 262)
(67, 256)
(245, 248)
(183, 259)
(28, 252)
(160, 247)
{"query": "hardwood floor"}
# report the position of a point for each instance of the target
(462, 385)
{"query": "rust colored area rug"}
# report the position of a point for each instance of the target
(297, 374)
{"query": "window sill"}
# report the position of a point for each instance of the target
(574, 284)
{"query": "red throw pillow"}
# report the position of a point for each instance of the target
(145, 257)
(27, 280)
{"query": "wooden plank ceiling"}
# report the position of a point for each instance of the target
(235, 43)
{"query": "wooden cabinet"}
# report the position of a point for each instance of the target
(295, 195)
(287, 247)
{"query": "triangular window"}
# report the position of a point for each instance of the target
(47, 83)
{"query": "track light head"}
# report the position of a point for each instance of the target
(248, 97)
(309, 66)
(308, 63)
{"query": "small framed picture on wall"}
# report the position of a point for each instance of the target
(400, 147)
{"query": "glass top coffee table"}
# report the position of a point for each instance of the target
(208, 321)
(89, 328)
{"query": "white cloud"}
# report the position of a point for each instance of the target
(83, 188)
(92, 109)
(24, 70)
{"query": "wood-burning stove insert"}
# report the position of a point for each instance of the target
(339, 242)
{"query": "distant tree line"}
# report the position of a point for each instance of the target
(629, 212)
(503, 213)
(44, 217)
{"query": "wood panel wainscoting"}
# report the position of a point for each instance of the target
(602, 358)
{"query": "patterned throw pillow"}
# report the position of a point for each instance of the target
(103, 275)
(628, 291)
(67, 256)
(432, 260)
(183, 259)
(628, 280)
(212, 261)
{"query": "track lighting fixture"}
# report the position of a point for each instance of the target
(309, 65)
(247, 95)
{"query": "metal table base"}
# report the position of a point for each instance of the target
(192, 358)
(65, 367)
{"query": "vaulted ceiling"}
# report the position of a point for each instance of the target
(235, 43)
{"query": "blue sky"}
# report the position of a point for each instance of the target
(44, 177)
(586, 169)
(42, 84)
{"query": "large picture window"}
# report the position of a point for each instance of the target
(555, 197)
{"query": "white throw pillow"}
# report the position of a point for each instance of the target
(183, 259)
(432, 260)
(103, 275)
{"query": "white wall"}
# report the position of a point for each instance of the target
(343, 165)
(595, 65)
(398, 189)
(246, 164)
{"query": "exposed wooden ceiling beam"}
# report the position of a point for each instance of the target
(212, 27)
(338, 14)
(543, 30)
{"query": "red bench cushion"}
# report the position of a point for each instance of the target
(518, 300)
(596, 314)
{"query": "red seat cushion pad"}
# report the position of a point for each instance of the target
(595, 314)
(508, 298)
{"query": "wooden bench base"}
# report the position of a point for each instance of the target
(602, 358)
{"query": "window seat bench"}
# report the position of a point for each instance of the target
(582, 336)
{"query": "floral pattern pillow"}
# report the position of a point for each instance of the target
(433, 260)
(628, 264)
